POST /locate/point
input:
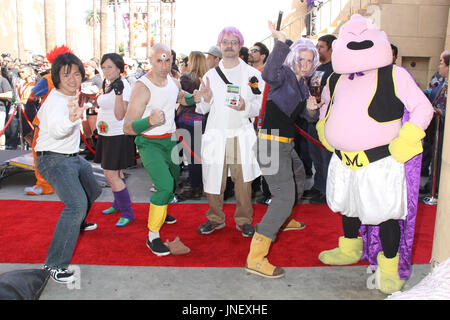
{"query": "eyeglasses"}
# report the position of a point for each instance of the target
(227, 42)
(254, 50)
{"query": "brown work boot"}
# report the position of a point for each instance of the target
(257, 262)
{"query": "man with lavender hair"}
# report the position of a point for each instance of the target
(229, 138)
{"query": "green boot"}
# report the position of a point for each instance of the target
(348, 252)
(110, 210)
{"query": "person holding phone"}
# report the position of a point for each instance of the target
(232, 94)
(70, 175)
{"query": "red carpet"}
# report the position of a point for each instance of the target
(27, 228)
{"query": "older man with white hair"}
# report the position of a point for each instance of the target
(151, 117)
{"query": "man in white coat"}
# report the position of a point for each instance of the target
(229, 142)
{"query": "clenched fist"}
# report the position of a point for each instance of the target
(117, 85)
(156, 117)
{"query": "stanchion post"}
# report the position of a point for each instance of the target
(432, 200)
(19, 111)
(441, 238)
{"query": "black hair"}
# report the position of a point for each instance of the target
(244, 53)
(328, 38)
(63, 60)
(394, 49)
(262, 50)
(174, 55)
(116, 58)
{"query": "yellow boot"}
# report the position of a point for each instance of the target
(156, 217)
(348, 252)
(386, 276)
(257, 262)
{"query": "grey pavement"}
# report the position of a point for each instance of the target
(99, 282)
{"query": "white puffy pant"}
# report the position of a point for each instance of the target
(374, 194)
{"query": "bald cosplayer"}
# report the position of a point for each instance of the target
(151, 118)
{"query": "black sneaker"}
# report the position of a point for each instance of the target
(170, 219)
(264, 200)
(158, 247)
(60, 275)
(308, 194)
(318, 199)
(209, 227)
(87, 226)
(246, 229)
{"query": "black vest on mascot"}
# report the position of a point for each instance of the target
(385, 105)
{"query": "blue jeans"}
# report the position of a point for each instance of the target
(320, 158)
(75, 184)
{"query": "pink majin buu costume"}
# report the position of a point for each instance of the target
(373, 120)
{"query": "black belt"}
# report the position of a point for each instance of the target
(51, 153)
(351, 160)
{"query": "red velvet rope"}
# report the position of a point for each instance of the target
(8, 122)
(297, 128)
(93, 151)
(85, 142)
(180, 138)
(307, 136)
(28, 120)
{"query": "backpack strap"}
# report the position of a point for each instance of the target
(219, 71)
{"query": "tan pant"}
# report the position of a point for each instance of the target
(242, 190)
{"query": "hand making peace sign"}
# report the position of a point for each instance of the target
(75, 110)
(204, 92)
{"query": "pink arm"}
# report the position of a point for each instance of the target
(415, 101)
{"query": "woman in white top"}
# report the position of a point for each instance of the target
(115, 150)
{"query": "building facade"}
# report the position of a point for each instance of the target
(419, 28)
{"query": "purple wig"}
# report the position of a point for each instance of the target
(231, 31)
(293, 57)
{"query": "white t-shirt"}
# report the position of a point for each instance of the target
(234, 120)
(107, 123)
(164, 98)
(56, 132)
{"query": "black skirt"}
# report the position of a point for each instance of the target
(115, 152)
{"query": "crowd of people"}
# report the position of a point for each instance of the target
(19, 86)
(126, 110)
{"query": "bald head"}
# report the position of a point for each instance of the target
(161, 59)
(158, 49)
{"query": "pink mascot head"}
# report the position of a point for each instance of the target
(360, 47)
